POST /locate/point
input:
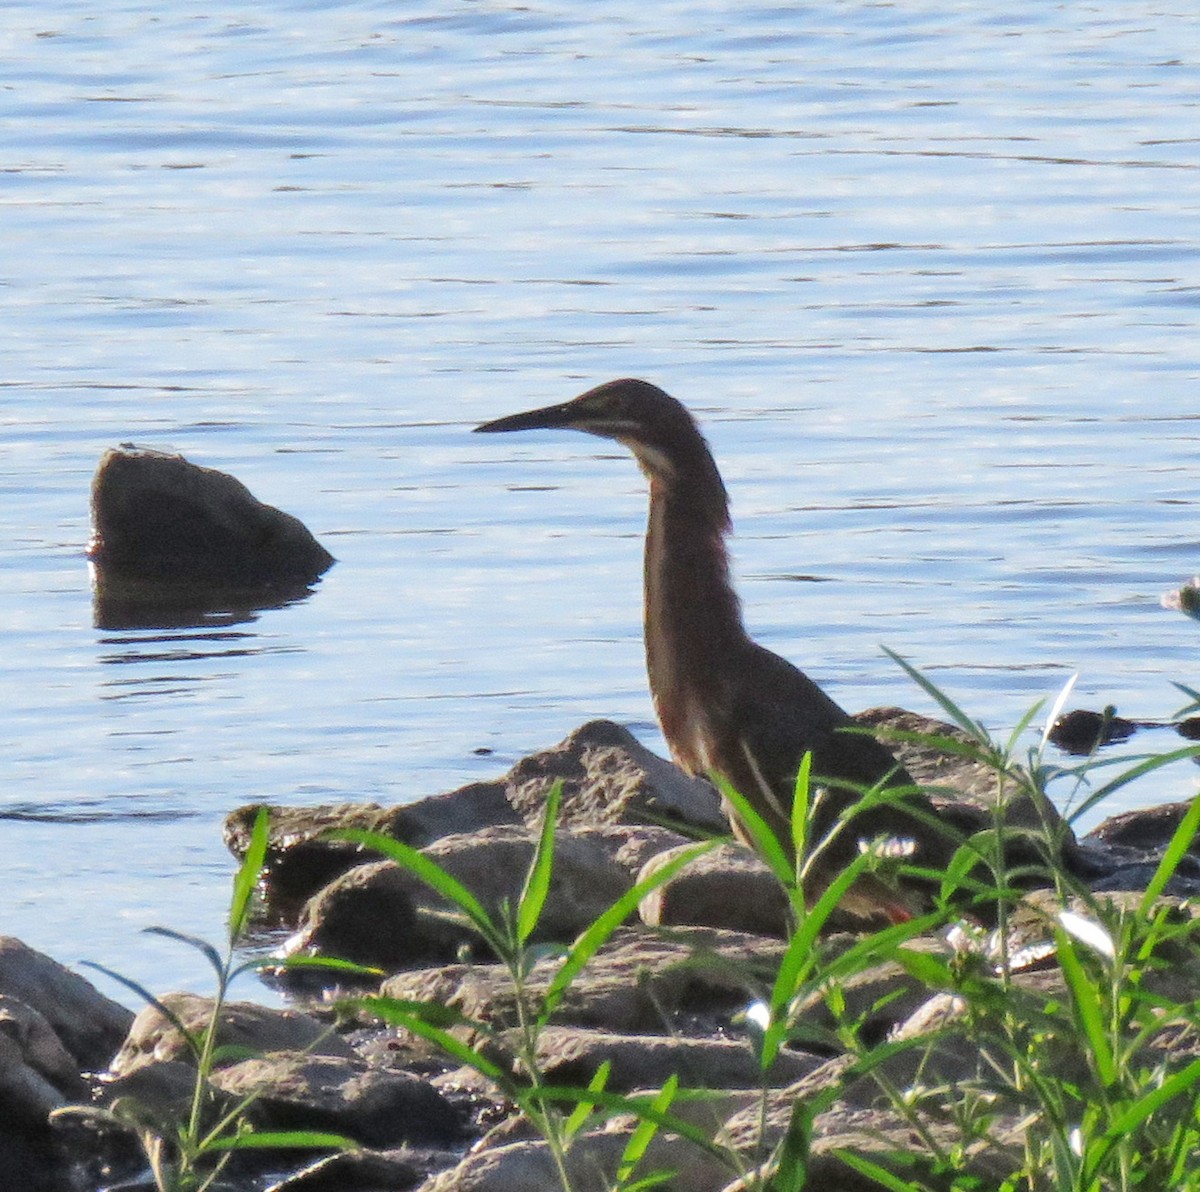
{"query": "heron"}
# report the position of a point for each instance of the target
(727, 705)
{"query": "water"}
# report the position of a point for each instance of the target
(927, 273)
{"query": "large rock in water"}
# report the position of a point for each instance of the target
(158, 519)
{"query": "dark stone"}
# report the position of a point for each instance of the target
(1081, 732)
(383, 914)
(171, 539)
(343, 1095)
(302, 859)
(635, 983)
(90, 1025)
(1147, 828)
(368, 1171)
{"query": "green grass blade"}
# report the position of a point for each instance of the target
(880, 1175)
(644, 1132)
(1181, 1082)
(580, 1114)
(1088, 1007)
(800, 806)
(765, 843)
(791, 1171)
(192, 1040)
(333, 964)
(427, 1020)
(642, 1107)
(586, 946)
(1181, 841)
(970, 727)
(246, 880)
(541, 869)
(283, 1140)
(433, 875)
(193, 941)
(1146, 766)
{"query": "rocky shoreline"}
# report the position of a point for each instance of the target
(665, 997)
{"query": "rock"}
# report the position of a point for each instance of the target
(1081, 732)
(29, 1036)
(27, 1098)
(470, 808)
(728, 887)
(301, 859)
(152, 1037)
(1146, 828)
(164, 1088)
(158, 517)
(37, 1077)
(882, 1136)
(608, 776)
(633, 984)
(592, 1164)
(1123, 852)
(368, 916)
(89, 1025)
(368, 1171)
(36, 1163)
(384, 915)
(339, 1094)
(876, 996)
(572, 1055)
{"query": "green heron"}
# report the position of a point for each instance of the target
(725, 703)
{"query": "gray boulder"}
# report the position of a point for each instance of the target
(89, 1025)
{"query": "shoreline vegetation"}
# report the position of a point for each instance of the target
(570, 979)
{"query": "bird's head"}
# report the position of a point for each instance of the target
(653, 425)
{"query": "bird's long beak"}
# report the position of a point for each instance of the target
(547, 418)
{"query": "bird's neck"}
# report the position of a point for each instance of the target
(693, 622)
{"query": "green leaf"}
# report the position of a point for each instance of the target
(332, 963)
(1146, 765)
(971, 727)
(641, 1107)
(645, 1130)
(791, 1171)
(192, 1040)
(1181, 841)
(1181, 1082)
(246, 879)
(426, 1020)
(283, 1140)
(433, 875)
(872, 1170)
(541, 868)
(764, 842)
(800, 805)
(1088, 1008)
(930, 970)
(193, 941)
(580, 1114)
(589, 942)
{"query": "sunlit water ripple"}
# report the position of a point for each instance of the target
(927, 274)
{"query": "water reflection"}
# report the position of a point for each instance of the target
(119, 603)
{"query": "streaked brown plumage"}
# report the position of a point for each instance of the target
(724, 702)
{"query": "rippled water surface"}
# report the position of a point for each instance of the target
(926, 272)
